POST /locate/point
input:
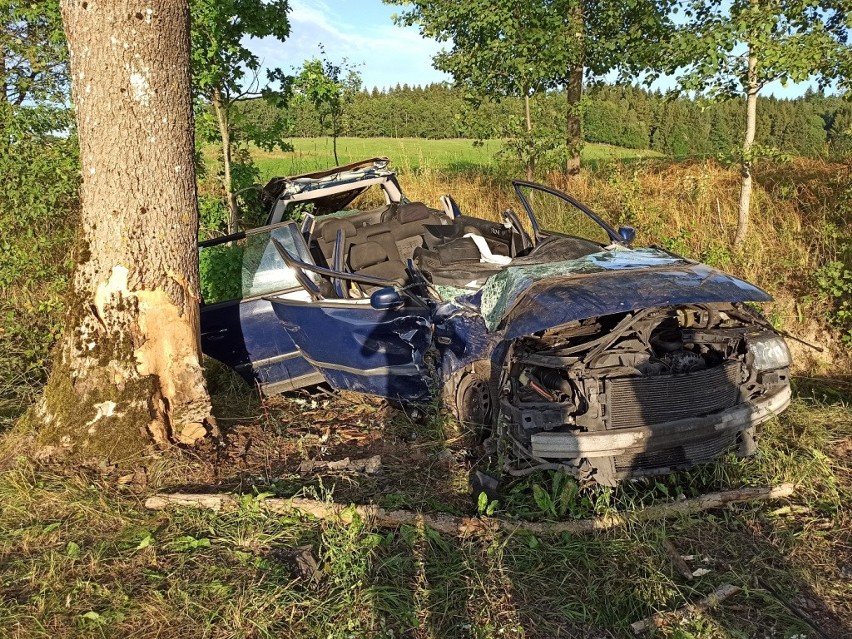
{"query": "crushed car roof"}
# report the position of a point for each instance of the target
(355, 172)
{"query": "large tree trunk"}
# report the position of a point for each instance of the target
(127, 369)
(227, 165)
(574, 137)
(751, 125)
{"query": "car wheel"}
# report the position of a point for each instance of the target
(475, 399)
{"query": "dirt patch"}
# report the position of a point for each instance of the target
(300, 443)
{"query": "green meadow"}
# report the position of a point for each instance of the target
(312, 154)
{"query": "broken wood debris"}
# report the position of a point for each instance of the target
(464, 526)
(368, 465)
(661, 618)
(678, 561)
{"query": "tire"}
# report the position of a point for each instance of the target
(472, 396)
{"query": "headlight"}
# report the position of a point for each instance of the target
(769, 351)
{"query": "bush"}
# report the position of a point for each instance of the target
(38, 215)
(834, 282)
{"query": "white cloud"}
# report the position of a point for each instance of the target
(388, 54)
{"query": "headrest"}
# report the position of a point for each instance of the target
(367, 254)
(413, 212)
(329, 229)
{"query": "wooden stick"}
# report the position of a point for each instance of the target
(677, 561)
(463, 526)
(713, 599)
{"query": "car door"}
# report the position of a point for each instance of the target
(548, 209)
(359, 348)
(239, 326)
(358, 344)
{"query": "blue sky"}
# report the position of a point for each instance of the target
(363, 31)
(360, 30)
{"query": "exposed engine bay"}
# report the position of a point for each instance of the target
(669, 387)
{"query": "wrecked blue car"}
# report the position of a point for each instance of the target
(575, 350)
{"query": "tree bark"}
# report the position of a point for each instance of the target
(574, 89)
(221, 111)
(127, 369)
(574, 137)
(746, 166)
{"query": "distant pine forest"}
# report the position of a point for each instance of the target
(625, 116)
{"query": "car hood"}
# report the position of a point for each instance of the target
(522, 300)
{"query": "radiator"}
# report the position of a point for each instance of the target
(642, 401)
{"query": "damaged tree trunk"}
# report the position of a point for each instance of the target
(127, 368)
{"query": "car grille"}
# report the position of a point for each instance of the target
(642, 401)
(676, 457)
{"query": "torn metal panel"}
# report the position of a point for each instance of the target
(461, 338)
(604, 283)
(501, 291)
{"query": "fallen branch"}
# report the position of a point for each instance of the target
(677, 560)
(462, 526)
(661, 618)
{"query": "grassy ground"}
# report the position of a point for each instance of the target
(311, 154)
(80, 556)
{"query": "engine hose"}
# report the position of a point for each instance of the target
(554, 381)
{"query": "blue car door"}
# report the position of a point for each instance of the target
(238, 326)
(359, 348)
(358, 345)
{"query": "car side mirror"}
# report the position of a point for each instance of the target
(627, 233)
(386, 299)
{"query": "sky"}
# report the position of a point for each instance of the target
(363, 31)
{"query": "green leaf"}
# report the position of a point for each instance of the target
(147, 540)
(482, 503)
(72, 550)
(542, 500)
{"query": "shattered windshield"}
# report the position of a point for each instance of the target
(502, 290)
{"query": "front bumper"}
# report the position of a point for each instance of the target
(659, 437)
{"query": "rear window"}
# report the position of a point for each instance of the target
(249, 266)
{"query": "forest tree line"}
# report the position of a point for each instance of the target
(626, 116)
